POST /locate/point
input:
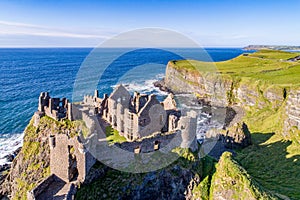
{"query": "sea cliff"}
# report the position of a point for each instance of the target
(265, 81)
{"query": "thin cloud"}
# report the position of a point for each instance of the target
(16, 28)
(8, 23)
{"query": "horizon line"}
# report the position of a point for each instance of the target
(90, 47)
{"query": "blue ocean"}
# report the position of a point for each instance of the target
(24, 73)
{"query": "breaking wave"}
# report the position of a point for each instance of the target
(8, 144)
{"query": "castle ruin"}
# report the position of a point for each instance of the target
(134, 117)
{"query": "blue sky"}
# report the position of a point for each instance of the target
(223, 23)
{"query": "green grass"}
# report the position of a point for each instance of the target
(273, 54)
(265, 65)
(274, 163)
(113, 136)
(233, 182)
(273, 160)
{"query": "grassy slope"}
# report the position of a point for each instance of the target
(266, 65)
(273, 161)
(233, 182)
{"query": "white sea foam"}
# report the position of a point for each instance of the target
(8, 144)
(145, 86)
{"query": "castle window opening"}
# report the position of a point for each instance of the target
(122, 126)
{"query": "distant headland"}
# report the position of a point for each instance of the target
(272, 47)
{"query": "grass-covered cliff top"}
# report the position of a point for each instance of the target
(269, 65)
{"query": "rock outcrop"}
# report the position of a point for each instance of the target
(210, 86)
(236, 136)
(31, 164)
(231, 181)
(292, 112)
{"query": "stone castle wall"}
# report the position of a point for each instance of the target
(40, 188)
(68, 157)
(55, 108)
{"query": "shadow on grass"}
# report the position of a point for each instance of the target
(274, 163)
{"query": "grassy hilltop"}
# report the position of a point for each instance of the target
(265, 65)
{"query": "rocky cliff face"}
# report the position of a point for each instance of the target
(236, 136)
(31, 164)
(210, 86)
(252, 95)
(292, 111)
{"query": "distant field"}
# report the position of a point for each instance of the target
(267, 65)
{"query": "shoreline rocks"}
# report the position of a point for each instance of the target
(161, 85)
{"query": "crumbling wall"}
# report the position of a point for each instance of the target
(63, 150)
(55, 108)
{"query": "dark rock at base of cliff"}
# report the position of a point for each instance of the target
(236, 136)
(230, 115)
(203, 102)
(161, 85)
(3, 174)
(6, 167)
(11, 157)
(3, 168)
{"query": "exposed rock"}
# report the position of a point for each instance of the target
(236, 136)
(177, 81)
(248, 94)
(292, 112)
(295, 59)
(11, 157)
(161, 85)
(95, 173)
(210, 86)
